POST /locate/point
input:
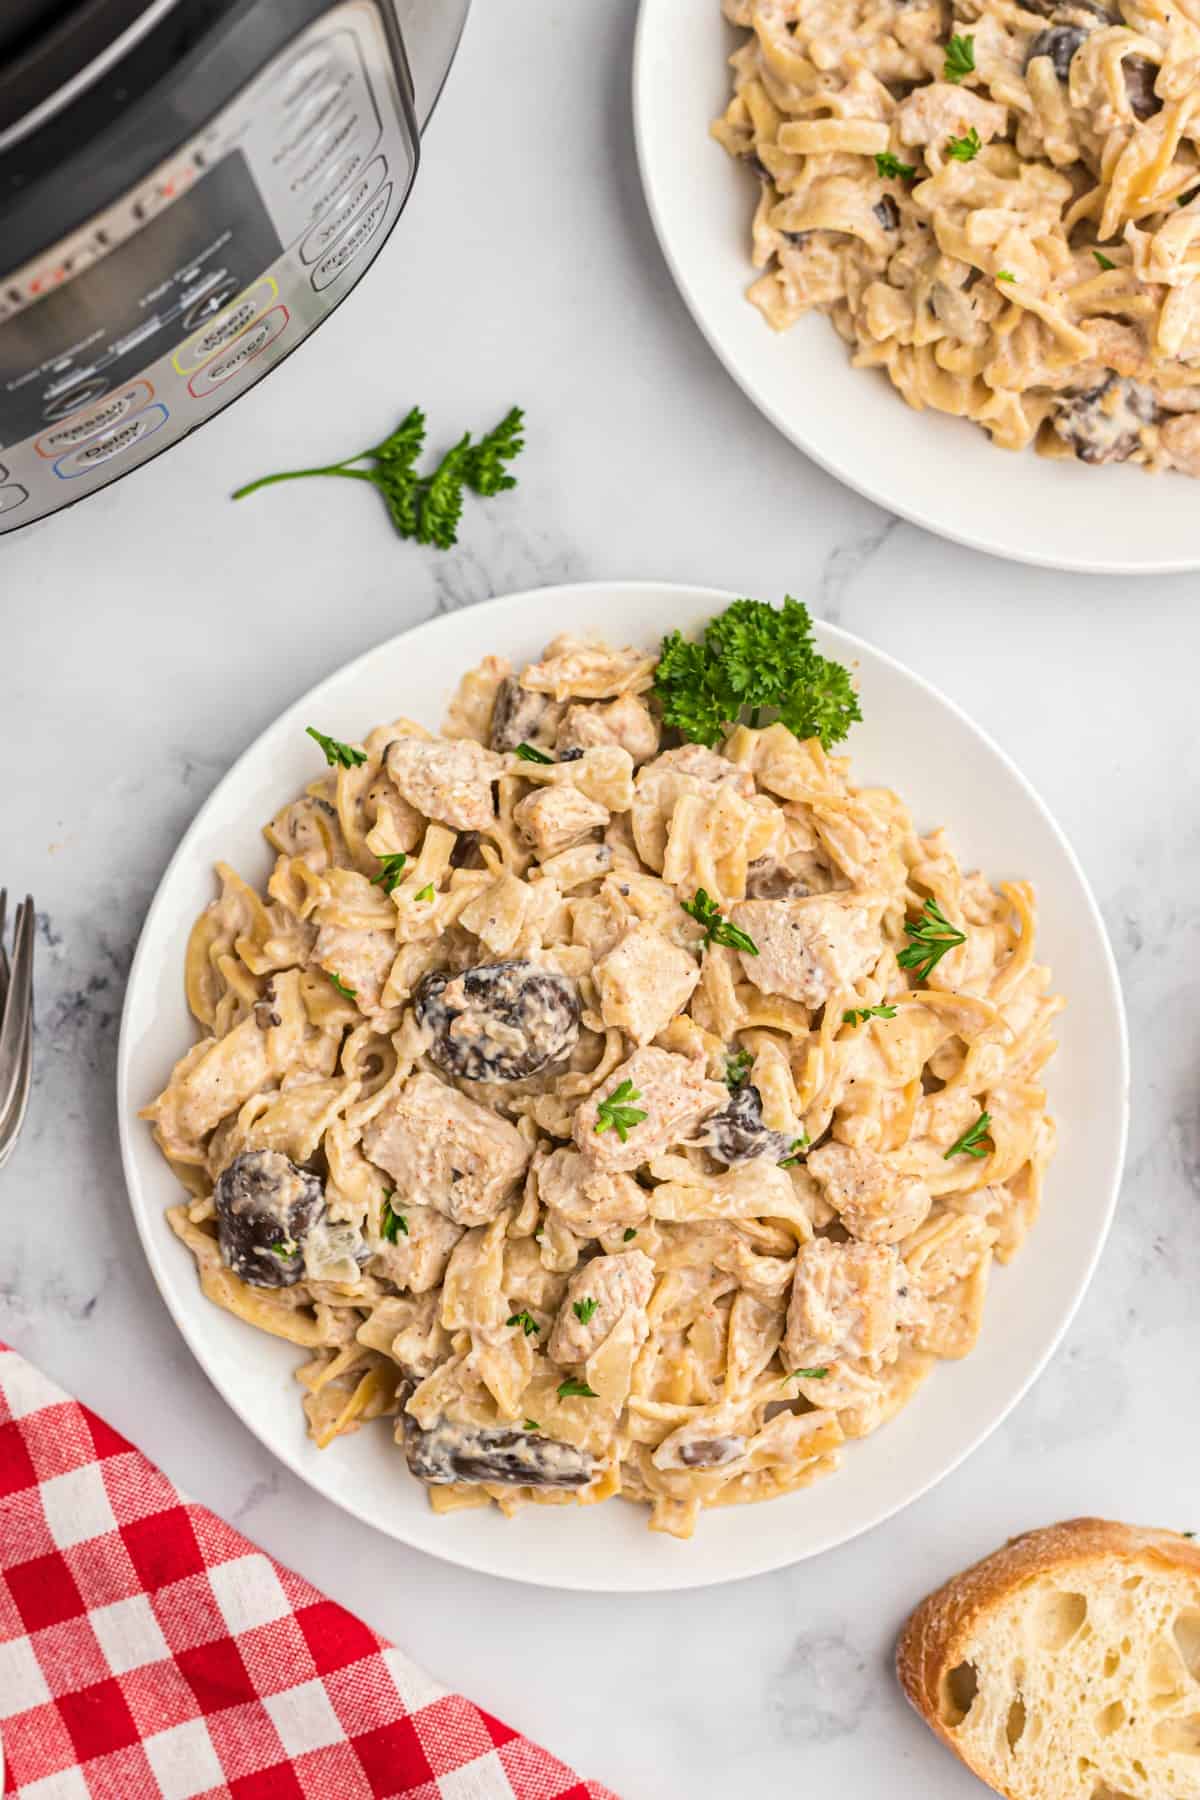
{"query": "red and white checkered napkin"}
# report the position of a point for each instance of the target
(150, 1652)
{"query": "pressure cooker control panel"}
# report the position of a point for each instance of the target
(132, 332)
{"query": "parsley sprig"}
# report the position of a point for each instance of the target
(425, 507)
(932, 936)
(965, 149)
(858, 1015)
(754, 658)
(391, 867)
(337, 754)
(717, 929)
(960, 59)
(614, 1112)
(971, 1142)
(890, 168)
(526, 1321)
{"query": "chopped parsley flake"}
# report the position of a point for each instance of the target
(527, 753)
(568, 1388)
(392, 1222)
(615, 1114)
(794, 1149)
(629, 1232)
(965, 149)
(425, 893)
(717, 929)
(532, 1425)
(737, 1067)
(1105, 262)
(960, 59)
(390, 869)
(526, 1321)
(970, 1143)
(932, 936)
(890, 168)
(858, 1015)
(583, 1310)
(337, 754)
(807, 1375)
(347, 993)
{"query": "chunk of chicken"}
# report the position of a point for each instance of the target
(361, 960)
(940, 110)
(644, 981)
(626, 721)
(417, 1260)
(597, 1296)
(845, 1303)
(874, 1201)
(591, 1201)
(554, 818)
(808, 947)
(673, 1092)
(447, 1151)
(447, 780)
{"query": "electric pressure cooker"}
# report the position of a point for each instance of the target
(187, 189)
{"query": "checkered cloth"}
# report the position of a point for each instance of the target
(148, 1651)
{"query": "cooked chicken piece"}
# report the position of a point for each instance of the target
(644, 981)
(845, 1303)
(672, 1091)
(591, 1201)
(688, 769)
(874, 1201)
(520, 716)
(417, 1260)
(942, 110)
(554, 818)
(809, 947)
(447, 780)
(361, 960)
(597, 1296)
(446, 1151)
(626, 721)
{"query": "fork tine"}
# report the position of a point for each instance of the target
(17, 1021)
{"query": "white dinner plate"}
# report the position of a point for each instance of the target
(913, 740)
(939, 472)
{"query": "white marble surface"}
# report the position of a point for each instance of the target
(152, 632)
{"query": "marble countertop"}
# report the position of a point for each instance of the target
(152, 632)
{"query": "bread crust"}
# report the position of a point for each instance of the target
(933, 1640)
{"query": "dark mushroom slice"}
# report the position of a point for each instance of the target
(769, 880)
(710, 1453)
(1060, 44)
(265, 1208)
(450, 1452)
(1140, 76)
(738, 1135)
(1103, 424)
(500, 1021)
(888, 213)
(519, 716)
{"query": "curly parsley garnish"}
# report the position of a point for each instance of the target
(526, 1321)
(528, 753)
(583, 1310)
(391, 867)
(347, 993)
(1105, 262)
(737, 1067)
(337, 754)
(971, 1142)
(581, 1388)
(754, 658)
(858, 1015)
(932, 936)
(391, 1221)
(965, 149)
(425, 507)
(717, 929)
(614, 1113)
(960, 59)
(795, 1148)
(890, 168)
(425, 893)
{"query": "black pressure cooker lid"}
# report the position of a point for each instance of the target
(45, 44)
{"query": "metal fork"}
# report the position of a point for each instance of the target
(16, 1022)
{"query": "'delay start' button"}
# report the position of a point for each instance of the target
(115, 442)
(226, 326)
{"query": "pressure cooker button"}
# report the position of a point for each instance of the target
(92, 420)
(303, 74)
(333, 222)
(354, 241)
(226, 326)
(12, 497)
(228, 363)
(351, 130)
(112, 443)
(67, 400)
(322, 110)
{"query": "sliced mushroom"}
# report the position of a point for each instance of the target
(738, 1134)
(1060, 44)
(1104, 424)
(452, 1452)
(266, 1207)
(1140, 77)
(499, 1021)
(519, 716)
(887, 212)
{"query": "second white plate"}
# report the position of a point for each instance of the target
(913, 740)
(937, 471)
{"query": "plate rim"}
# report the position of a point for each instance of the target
(841, 471)
(675, 1576)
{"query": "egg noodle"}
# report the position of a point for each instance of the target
(997, 203)
(617, 1119)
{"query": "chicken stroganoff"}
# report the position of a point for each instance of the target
(995, 201)
(614, 1113)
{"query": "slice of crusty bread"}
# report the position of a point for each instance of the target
(1067, 1665)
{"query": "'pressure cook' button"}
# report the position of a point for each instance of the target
(12, 497)
(355, 241)
(252, 343)
(92, 420)
(226, 326)
(113, 443)
(333, 222)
